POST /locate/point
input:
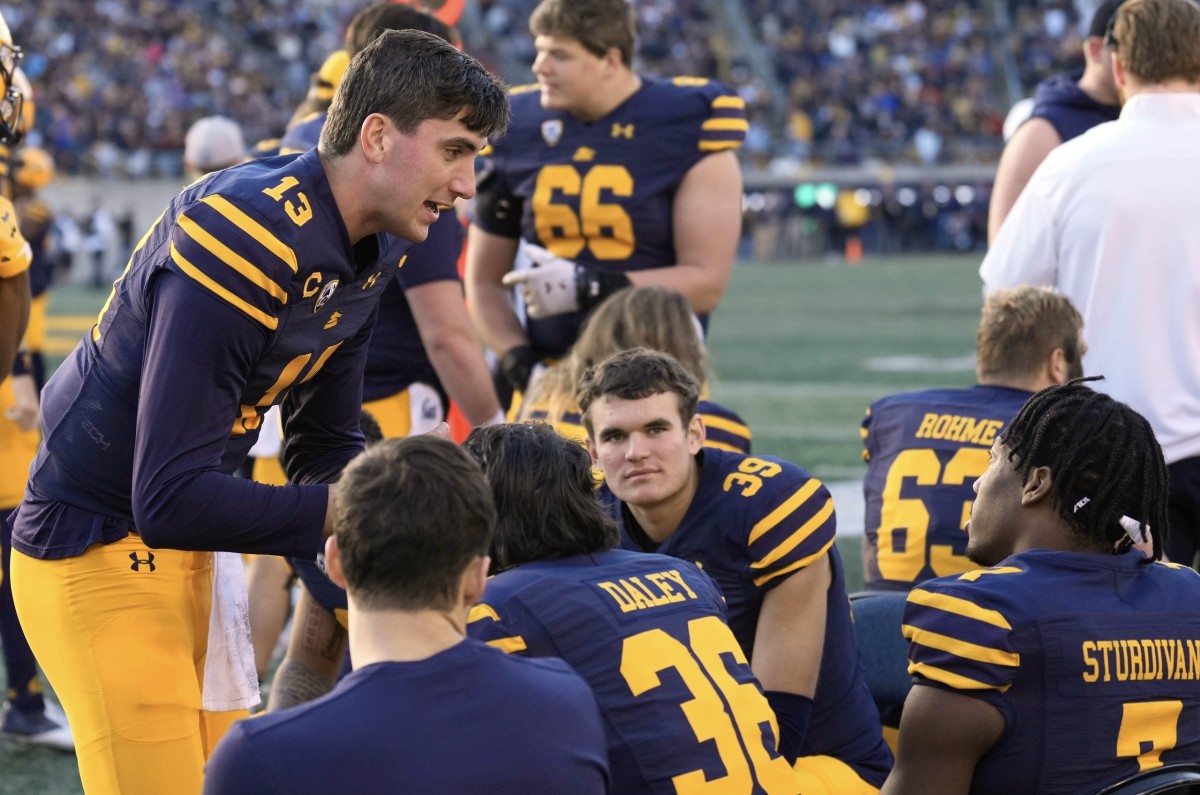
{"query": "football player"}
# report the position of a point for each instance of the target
(15, 254)
(426, 710)
(257, 286)
(27, 716)
(424, 348)
(609, 178)
(924, 449)
(1069, 663)
(764, 530)
(647, 632)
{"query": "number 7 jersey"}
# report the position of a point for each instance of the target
(601, 192)
(1092, 659)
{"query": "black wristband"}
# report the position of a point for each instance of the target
(23, 364)
(593, 285)
(517, 365)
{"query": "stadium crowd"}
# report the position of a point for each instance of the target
(120, 81)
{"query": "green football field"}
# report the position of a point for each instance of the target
(800, 350)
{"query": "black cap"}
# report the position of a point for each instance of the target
(1104, 14)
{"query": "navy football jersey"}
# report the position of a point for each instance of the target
(245, 293)
(1093, 660)
(600, 193)
(752, 522)
(924, 451)
(466, 720)
(647, 632)
(397, 357)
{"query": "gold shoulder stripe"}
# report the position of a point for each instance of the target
(729, 101)
(690, 81)
(958, 606)
(481, 611)
(715, 445)
(260, 233)
(718, 146)
(191, 270)
(961, 648)
(793, 566)
(287, 150)
(798, 537)
(785, 510)
(722, 424)
(525, 88)
(231, 258)
(956, 681)
(509, 645)
(724, 124)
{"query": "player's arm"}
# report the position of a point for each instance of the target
(1025, 250)
(454, 349)
(489, 257)
(707, 225)
(1022, 155)
(235, 768)
(314, 655)
(943, 735)
(788, 645)
(198, 352)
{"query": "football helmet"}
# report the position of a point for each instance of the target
(10, 97)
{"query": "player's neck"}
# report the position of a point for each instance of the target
(348, 193)
(398, 636)
(623, 86)
(660, 520)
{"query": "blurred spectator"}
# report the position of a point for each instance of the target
(211, 144)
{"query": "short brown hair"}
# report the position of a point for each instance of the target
(596, 24)
(1158, 40)
(635, 374)
(411, 515)
(1020, 328)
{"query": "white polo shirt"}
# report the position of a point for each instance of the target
(1112, 220)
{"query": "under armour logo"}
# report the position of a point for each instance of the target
(147, 561)
(622, 130)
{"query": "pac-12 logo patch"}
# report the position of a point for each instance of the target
(552, 130)
(326, 293)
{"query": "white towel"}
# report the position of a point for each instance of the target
(230, 678)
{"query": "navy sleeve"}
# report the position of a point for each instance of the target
(435, 259)
(235, 769)
(198, 352)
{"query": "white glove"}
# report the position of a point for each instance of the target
(24, 412)
(550, 287)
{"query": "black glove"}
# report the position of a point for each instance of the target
(517, 365)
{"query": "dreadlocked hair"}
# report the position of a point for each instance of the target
(1105, 460)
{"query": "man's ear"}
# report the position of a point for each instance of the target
(592, 451)
(474, 580)
(696, 434)
(372, 138)
(1056, 366)
(333, 562)
(1037, 486)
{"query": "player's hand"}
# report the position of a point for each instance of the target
(25, 411)
(550, 287)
